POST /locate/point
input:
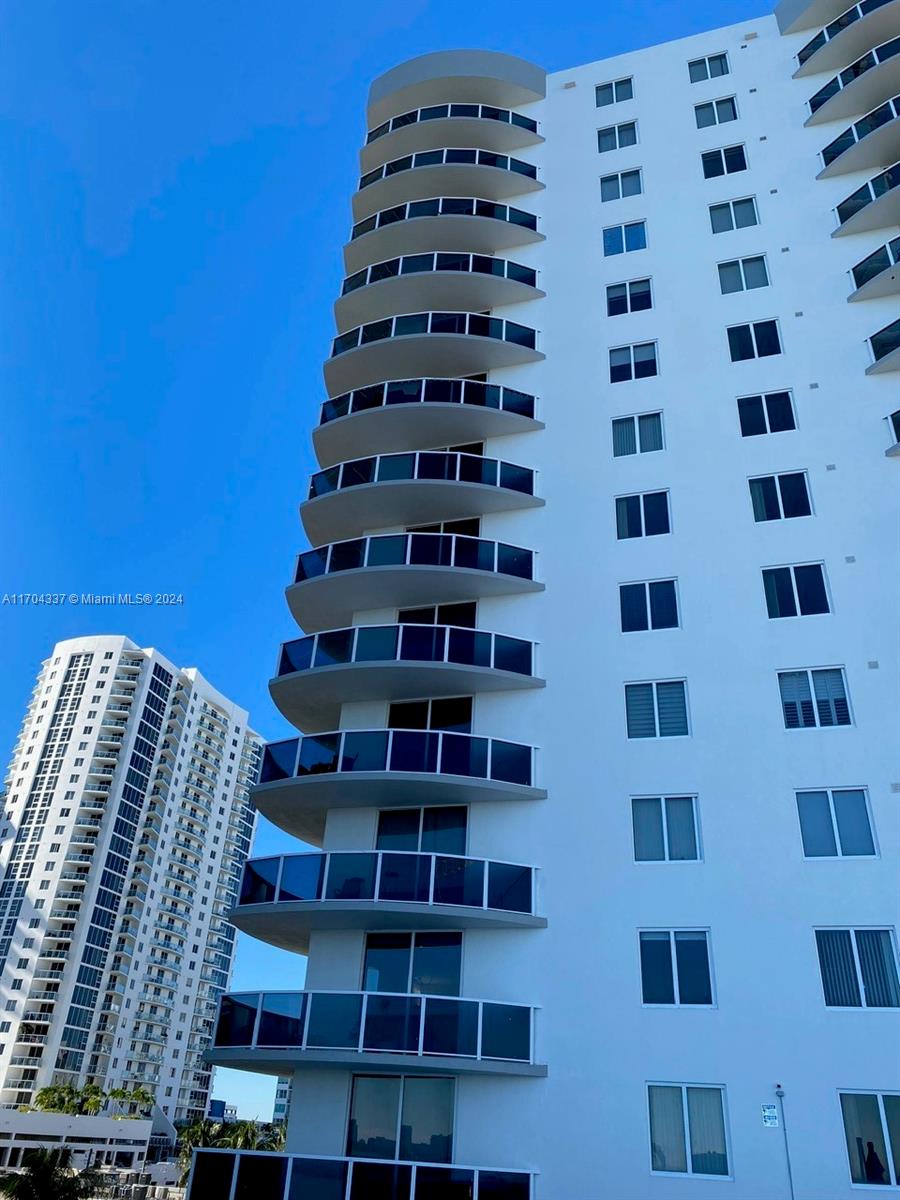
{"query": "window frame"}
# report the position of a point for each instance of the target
(635, 418)
(777, 478)
(878, 1095)
(764, 398)
(421, 809)
(721, 150)
(808, 671)
(403, 1076)
(641, 495)
(617, 175)
(729, 204)
(614, 84)
(686, 1128)
(654, 683)
(751, 325)
(671, 930)
(740, 263)
(698, 839)
(893, 420)
(714, 105)
(705, 59)
(616, 129)
(411, 962)
(623, 225)
(645, 583)
(840, 855)
(792, 568)
(631, 347)
(627, 284)
(891, 931)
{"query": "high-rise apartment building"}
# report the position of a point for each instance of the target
(598, 687)
(128, 825)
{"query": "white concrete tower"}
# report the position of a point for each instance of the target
(130, 823)
(597, 692)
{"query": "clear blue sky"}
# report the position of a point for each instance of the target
(176, 183)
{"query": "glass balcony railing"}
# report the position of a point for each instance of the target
(440, 261)
(439, 112)
(445, 206)
(410, 324)
(882, 115)
(433, 465)
(407, 643)
(850, 74)
(467, 392)
(870, 191)
(369, 1022)
(846, 19)
(886, 341)
(416, 550)
(389, 876)
(873, 265)
(222, 1173)
(450, 156)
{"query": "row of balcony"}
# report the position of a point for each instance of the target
(834, 44)
(858, 87)
(443, 112)
(449, 156)
(318, 673)
(439, 1034)
(875, 205)
(869, 142)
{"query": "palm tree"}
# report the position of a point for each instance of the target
(60, 1097)
(242, 1135)
(91, 1099)
(201, 1135)
(139, 1096)
(47, 1176)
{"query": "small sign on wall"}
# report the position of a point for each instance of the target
(770, 1116)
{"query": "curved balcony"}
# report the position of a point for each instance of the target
(447, 344)
(459, 170)
(485, 76)
(413, 414)
(405, 570)
(885, 349)
(442, 279)
(218, 1174)
(277, 1032)
(285, 899)
(440, 223)
(303, 778)
(319, 673)
(434, 125)
(878, 274)
(860, 87)
(849, 36)
(870, 142)
(873, 206)
(413, 488)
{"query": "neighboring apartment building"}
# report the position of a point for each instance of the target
(282, 1100)
(597, 698)
(128, 802)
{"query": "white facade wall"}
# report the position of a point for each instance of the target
(584, 1129)
(169, 951)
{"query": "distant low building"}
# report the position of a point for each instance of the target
(94, 1141)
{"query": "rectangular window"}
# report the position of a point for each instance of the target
(894, 419)
(651, 605)
(772, 412)
(687, 1130)
(656, 709)
(620, 185)
(637, 435)
(711, 67)
(727, 160)
(422, 963)
(405, 1117)
(665, 829)
(715, 112)
(675, 967)
(617, 137)
(634, 296)
(859, 968)
(872, 1130)
(743, 274)
(733, 214)
(780, 497)
(757, 340)
(835, 823)
(423, 830)
(632, 362)
(795, 591)
(622, 239)
(814, 698)
(614, 93)
(642, 515)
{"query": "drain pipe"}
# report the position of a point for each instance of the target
(779, 1092)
